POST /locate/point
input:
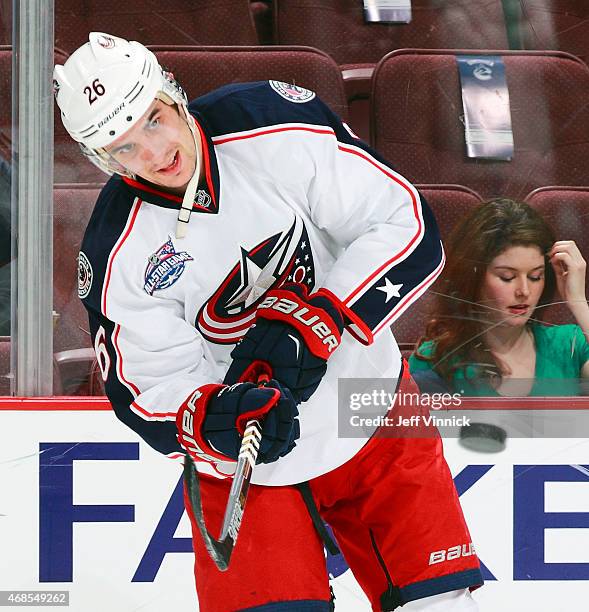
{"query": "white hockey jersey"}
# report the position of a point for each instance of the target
(290, 194)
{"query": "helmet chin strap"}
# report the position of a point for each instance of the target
(188, 199)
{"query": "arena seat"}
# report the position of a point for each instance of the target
(70, 164)
(417, 120)
(449, 203)
(262, 13)
(5, 102)
(202, 69)
(338, 27)
(96, 382)
(198, 22)
(5, 22)
(555, 24)
(4, 365)
(566, 209)
(73, 205)
(5, 376)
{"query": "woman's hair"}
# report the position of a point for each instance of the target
(457, 322)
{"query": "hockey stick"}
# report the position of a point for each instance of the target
(220, 550)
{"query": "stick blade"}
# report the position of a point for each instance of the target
(219, 551)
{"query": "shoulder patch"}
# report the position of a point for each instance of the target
(85, 276)
(292, 93)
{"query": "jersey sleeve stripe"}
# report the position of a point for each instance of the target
(410, 297)
(219, 140)
(152, 416)
(124, 235)
(375, 276)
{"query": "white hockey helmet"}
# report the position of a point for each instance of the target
(105, 87)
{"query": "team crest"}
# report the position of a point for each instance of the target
(284, 257)
(85, 276)
(164, 267)
(105, 41)
(292, 93)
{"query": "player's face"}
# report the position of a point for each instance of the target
(159, 148)
(512, 285)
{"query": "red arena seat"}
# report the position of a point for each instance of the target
(5, 102)
(338, 27)
(556, 24)
(6, 377)
(199, 22)
(417, 120)
(202, 69)
(5, 22)
(70, 164)
(4, 365)
(449, 203)
(262, 14)
(566, 209)
(73, 205)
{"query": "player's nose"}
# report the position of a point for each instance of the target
(147, 154)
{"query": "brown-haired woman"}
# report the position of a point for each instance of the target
(485, 336)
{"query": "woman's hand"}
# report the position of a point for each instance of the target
(569, 268)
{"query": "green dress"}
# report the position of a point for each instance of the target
(561, 352)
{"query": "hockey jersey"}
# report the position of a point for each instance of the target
(289, 194)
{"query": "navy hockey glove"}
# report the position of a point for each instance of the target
(212, 421)
(291, 340)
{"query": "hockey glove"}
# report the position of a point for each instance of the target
(291, 340)
(211, 423)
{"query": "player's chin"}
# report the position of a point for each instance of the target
(171, 182)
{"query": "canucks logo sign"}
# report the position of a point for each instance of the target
(284, 257)
(164, 267)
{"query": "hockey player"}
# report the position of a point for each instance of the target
(256, 204)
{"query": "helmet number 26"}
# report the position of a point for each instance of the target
(95, 91)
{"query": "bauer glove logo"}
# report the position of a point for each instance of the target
(297, 312)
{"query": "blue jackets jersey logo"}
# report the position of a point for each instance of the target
(283, 257)
(164, 267)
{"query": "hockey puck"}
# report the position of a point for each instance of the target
(483, 437)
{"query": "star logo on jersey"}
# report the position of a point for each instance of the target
(284, 257)
(390, 290)
(164, 267)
